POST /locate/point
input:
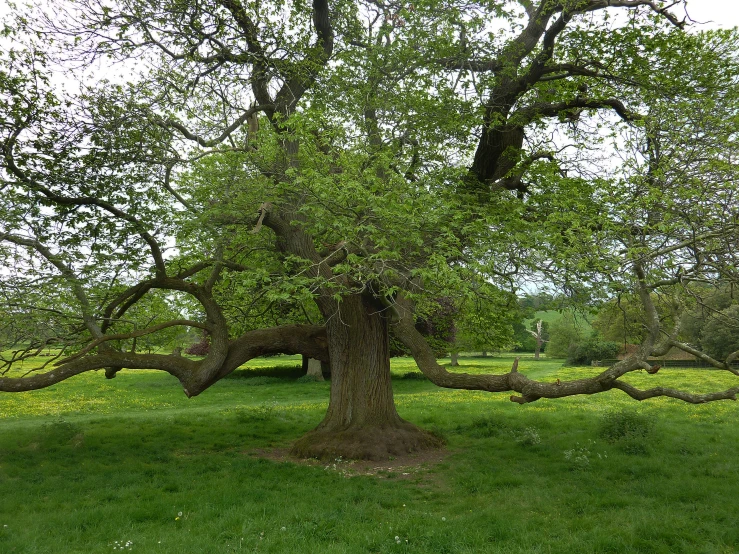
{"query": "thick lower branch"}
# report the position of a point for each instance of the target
(637, 394)
(195, 376)
(174, 365)
(308, 340)
(529, 389)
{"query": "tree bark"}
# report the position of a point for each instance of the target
(361, 421)
(455, 359)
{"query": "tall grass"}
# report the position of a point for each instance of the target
(93, 465)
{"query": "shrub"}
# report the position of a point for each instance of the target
(631, 430)
(200, 348)
(528, 436)
(564, 334)
(592, 349)
(417, 375)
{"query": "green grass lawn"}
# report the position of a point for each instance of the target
(93, 465)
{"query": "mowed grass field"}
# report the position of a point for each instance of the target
(94, 465)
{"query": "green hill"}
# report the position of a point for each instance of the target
(550, 316)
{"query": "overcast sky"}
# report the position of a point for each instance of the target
(716, 13)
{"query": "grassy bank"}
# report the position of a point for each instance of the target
(97, 466)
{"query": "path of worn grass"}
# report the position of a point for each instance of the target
(91, 464)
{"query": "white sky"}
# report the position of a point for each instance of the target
(715, 13)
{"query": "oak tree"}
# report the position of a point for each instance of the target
(307, 177)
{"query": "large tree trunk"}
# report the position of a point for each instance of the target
(454, 359)
(361, 421)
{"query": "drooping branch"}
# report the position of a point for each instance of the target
(512, 381)
(725, 365)
(131, 335)
(308, 340)
(62, 200)
(178, 366)
(68, 274)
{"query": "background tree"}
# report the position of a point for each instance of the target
(565, 334)
(592, 350)
(522, 339)
(484, 320)
(621, 320)
(539, 333)
(720, 334)
(366, 159)
(709, 323)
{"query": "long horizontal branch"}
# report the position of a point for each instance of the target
(528, 389)
(555, 72)
(467, 64)
(637, 394)
(530, 113)
(309, 340)
(156, 252)
(175, 365)
(656, 8)
(729, 230)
